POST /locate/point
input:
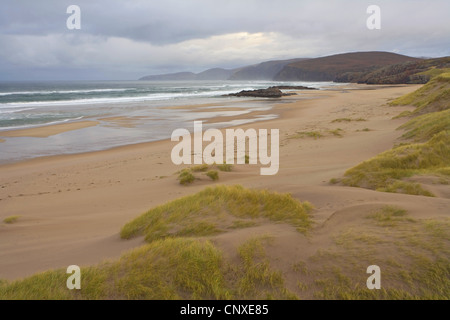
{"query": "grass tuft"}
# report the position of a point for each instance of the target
(389, 216)
(186, 177)
(431, 97)
(220, 201)
(213, 174)
(11, 219)
(347, 120)
(225, 167)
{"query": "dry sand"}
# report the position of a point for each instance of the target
(47, 131)
(72, 207)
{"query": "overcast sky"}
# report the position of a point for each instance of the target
(122, 39)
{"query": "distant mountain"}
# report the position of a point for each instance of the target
(262, 71)
(214, 74)
(362, 67)
(171, 76)
(330, 67)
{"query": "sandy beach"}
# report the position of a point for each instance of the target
(72, 207)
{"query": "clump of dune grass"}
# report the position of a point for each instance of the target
(424, 127)
(389, 216)
(307, 134)
(186, 177)
(213, 204)
(11, 219)
(337, 132)
(167, 269)
(433, 96)
(385, 171)
(402, 115)
(347, 120)
(413, 255)
(258, 280)
(213, 174)
(334, 181)
(407, 188)
(200, 168)
(225, 167)
(198, 229)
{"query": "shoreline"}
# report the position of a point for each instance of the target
(72, 206)
(49, 130)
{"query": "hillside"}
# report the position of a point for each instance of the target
(262, 71)
(330, 67)
(362, 67)
(170, 76)
(411, 72)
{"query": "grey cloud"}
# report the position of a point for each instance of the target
(132, 38)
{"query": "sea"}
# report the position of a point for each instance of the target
(152, 107)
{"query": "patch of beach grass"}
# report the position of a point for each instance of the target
(402, 115)
(347, 120)
(334, 181)
(166, 269)
(200, 168)
(385, 171)
(424, 127)
(219, 202)
(337, 132)
(433, 96)
(11, 219)
(307, 134)
(413, 256)
(258, 280)
(213, 175)
(198, 229)
(389, 216)
(407, 188)
(225, 167)
(172, 268)
(186, 177)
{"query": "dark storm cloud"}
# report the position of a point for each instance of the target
(132, 38)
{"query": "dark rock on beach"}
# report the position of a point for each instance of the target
(260, 93)
(272, 92)
(294, 88)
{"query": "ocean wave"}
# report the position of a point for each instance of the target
(28, 126)
(61, 91)
(13, 110)
(112, 100)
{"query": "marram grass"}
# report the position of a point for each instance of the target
(433, 96)
(215, 204)
(177, 268)
(385, 171)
